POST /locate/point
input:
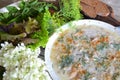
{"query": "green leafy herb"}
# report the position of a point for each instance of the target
(42, 34)
(29, 13)
(55, 22)
(26, 9)
(70, 9)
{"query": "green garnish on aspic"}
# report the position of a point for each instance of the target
(66, 61)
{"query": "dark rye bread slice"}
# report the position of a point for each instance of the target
(96, 9)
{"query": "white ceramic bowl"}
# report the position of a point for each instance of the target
(64, 27)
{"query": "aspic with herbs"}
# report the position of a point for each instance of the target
(87, 53)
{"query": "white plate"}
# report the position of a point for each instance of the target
(55, 36)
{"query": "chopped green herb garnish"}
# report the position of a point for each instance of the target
(102, 45)
(66, 61)
(115, 75)
(117, 46)
(86, 76)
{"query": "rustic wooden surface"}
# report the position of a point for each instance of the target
(3, 3)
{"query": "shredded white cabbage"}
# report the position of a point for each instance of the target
(22, 63)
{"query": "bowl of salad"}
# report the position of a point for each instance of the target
(84, 49)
